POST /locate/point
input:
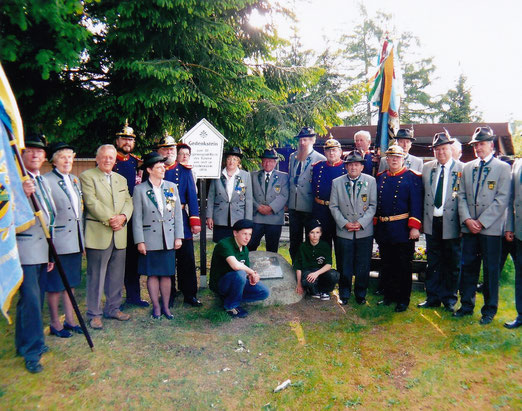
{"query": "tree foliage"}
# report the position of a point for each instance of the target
(456, 107)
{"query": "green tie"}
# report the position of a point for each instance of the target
(440, 186)
(267, 179)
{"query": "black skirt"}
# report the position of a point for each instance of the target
(72, 265)
(157, 263)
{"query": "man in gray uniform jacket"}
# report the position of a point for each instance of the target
(441, 179)
(353, 203)
(514, 233)
(405, 139)
(34, 256)
(300, 180)
(270, 196)
(483, 200)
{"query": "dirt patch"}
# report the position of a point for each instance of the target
(400, 374)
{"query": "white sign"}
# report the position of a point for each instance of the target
(206, 144)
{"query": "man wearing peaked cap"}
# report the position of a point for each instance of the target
(270, 196)
(441, 180)
(353, 203)
(483, 199)
(398, 223)
(301, 197)
(127, 166)
(404, 138)
(181, 175)
(323, 173)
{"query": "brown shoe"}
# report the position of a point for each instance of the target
(96, 323)
(118, 315)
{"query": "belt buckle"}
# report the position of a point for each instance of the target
(386, 219)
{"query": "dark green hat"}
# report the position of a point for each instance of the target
(442, 138)
(234, 151)
(270, 153)
(482, 134)
(242, 224)
(405, 133)
(152, 158)
(354, 156)
(36, 140)
(54, 147)
(306, 132)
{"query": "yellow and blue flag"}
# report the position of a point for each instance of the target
(16, 214)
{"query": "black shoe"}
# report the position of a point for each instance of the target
(344, 301)
(429, 304)
(33, 367)
(154, 316)
(74, 328)
(137, 303)
(401, 308)
(485, 320)
(378, 292)
(385, 302)
(193, 301)
(360, 300)
(237, 312)
(449, 307)
(63, 333)
(167, 316)
(480, 287)
(513, 324)
(462, 313)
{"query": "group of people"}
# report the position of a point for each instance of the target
(133, 217)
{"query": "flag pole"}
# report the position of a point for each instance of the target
(38, 214)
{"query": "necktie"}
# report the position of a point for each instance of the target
(297, 173)
(267, 179)
(440, 187)
(482, 163)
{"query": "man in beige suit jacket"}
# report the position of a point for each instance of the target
(109, 207)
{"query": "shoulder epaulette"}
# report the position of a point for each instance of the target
(382, 172)
(317, 162)
(416, 173)
(187, 166)
(136, 157)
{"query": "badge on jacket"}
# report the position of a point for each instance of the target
(277, 188)
(364, 197)
(491, 185)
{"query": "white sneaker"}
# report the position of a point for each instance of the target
(318, 295)
(325, 296)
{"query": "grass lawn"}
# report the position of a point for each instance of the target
(335, 356)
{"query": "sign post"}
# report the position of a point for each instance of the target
(206, 144)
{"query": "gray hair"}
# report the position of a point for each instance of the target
(55, 154)
(363, 133)
(456, 149)
(104, 147)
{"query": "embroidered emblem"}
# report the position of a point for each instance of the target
(277, 188)
(364, 197)
(491, 185)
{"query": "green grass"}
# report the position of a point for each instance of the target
(360, 358)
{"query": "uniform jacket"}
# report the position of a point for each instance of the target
(492, 198)
(241, 205)
(103, 201)
(301, 193)
(181, 175)
(514, 219)
(410, 162)
(276, 196)
(157, 231)
(32, 244)
(345, 207)
(68, 229)
(127, 166)
(398, 194)
(450, 215)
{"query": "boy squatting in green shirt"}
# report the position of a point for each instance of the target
(313, 265)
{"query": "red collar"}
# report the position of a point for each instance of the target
(398, 173)
(122, 157)
(167, 168)
(335, 164)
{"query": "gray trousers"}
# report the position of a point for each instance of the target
(105, 272)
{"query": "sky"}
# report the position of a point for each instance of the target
(480, 39)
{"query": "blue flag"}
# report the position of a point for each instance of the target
(16, 215)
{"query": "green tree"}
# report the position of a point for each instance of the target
(456, 107)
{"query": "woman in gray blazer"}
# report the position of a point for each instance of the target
(229, 197)
(157, 225)
(67, 235)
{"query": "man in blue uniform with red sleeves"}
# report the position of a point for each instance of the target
(398, 224)
(181, 175)
(127, 166)
(323, 173)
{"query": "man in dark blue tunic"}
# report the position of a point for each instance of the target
(127, 166)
